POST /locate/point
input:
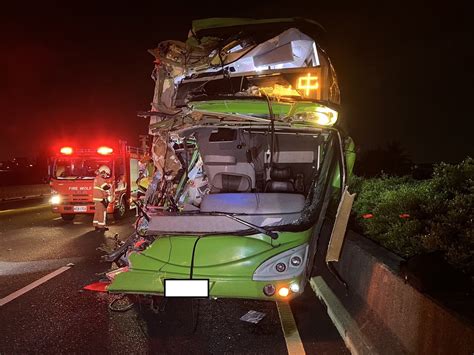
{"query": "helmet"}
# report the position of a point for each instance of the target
(60, 170)
(104, 170)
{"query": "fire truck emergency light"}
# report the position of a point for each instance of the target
(105, 150)
(66, 150)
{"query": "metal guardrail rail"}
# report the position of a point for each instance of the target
(23, 191)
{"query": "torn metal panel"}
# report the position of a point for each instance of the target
(339, 230)
(291, 48)
(164, 155)
(227, 73)
(223, 57)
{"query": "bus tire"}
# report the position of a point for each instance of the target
(68, 217)
(121, 210)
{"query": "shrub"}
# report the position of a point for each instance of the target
(411, 217)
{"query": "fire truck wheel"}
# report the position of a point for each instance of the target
(68, 217)
(121, 209)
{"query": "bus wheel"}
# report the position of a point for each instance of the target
(68, 217)
(121, 209)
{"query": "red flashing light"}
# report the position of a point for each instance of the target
(105, 150)
(66, 150)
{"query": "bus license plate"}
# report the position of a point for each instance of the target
(186, 288)
(80, 208)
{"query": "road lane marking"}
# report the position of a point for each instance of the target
(32, 285)
(25, 209)
(293, 341)
(23, 198)
(25, 267)
(346, 325)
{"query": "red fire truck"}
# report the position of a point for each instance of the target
(72, 171)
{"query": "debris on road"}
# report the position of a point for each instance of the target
(121, 304)
(97, 286)
(253, 316)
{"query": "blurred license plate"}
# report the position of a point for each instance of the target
(80, 208)
(186, 288)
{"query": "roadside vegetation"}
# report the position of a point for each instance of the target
(411, 217)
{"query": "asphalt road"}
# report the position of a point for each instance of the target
(58, 316)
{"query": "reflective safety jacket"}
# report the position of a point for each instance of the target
(99, 193)
(144, 182)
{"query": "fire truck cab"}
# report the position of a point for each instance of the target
(72, 172)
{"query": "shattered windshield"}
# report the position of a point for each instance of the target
(262, 181)
(74, 168)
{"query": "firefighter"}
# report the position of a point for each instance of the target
(100, 195)
(146, 170)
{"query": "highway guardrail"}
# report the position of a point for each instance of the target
(24, 191)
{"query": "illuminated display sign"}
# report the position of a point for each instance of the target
(313, 83)
(308, 83)
(298, 82)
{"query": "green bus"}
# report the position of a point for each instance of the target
(248, 156)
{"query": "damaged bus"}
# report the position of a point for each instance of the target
(248, 155)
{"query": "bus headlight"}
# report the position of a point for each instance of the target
(280, 267)
(55, 199)
(295, 260)
(322, 115)
(290, 263)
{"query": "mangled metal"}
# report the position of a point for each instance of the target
(188, 74)
(202, 59)
(246, 158)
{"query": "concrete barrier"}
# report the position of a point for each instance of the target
(24, 191)
(393, 317)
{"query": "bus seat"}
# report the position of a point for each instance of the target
(230, 182)
(280, 180)
(215, 164)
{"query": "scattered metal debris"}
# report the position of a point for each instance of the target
(253, 316)
(121, 304)
(97, 286)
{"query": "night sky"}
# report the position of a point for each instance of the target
(405, 69)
